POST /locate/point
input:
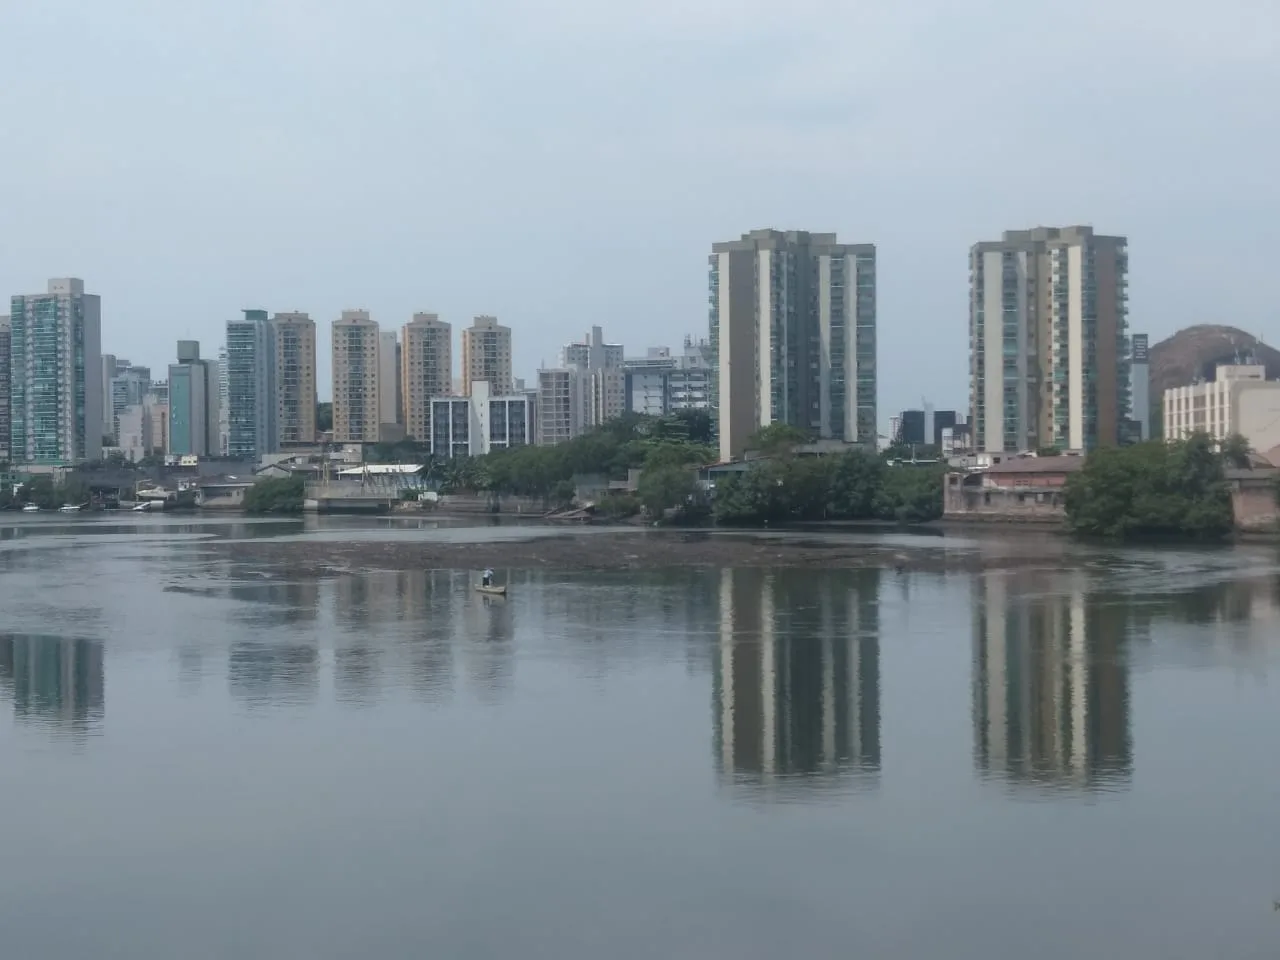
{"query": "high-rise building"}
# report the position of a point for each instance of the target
(390, 406)
(661, 382)
(112, 367)
(56, 375)
(426, 370)
(5, 338)
(1140, 384)
(134, 424)
(561, 404)
(251, 374)
(1047, 319)
(603, 380)
(224, 414)
(128, 386)
(355, 378)
(592, 353)
(193, 403)
(793, 336)
(294, 350)
(486, 355)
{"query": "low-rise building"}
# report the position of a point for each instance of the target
(481, 423)
(662, 382)
(1029, 489)
(1239, 400)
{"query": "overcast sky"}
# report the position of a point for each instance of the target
(563, 163)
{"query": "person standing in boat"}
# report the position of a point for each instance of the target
(487, 579)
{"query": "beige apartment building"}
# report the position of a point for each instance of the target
(486, 355)
(426, 358)
(1049, 354)
(295, 378)
(1239, 400)
(355, 378)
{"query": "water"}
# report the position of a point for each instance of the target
(203, 759)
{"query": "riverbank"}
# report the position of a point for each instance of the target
(618, 549)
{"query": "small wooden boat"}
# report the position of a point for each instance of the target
(495, 590)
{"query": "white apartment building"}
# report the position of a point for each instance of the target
(136, 436)
(792, 337)
(1239, 400)
(355, 378)
(481, 423)
(1048, 344)
(661, 382)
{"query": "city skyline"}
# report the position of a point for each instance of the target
(621, 213)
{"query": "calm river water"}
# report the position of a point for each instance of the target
(204, 760)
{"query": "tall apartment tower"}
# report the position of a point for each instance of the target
(604, 382)
(390, 405)
(55, 386)
(294, 354)
(1140, 385)
(1047, 326)
(251, 379)
(426, 370)
(486, 355)
(193, 403)
(355, 378)
(6, 336)
(224, 415)
(592, 353)
(793, 336)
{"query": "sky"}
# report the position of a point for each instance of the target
(566, 163)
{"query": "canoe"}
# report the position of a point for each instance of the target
(497, 591)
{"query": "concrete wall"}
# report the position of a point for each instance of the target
(1253, 500)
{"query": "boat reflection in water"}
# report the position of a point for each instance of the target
(796, 681)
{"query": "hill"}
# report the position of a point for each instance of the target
(1192, 354)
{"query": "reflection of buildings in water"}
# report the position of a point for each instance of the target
(190, 659)
(268, 673)
(54, 679)
(796, 682)
(285, 602)
(1050, 681)
(489, 627)
(357, 674)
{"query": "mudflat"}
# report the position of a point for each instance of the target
(620, 550)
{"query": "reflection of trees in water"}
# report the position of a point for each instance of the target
(273, 673)
(1050, 680)
(796, 678)
(54, 680)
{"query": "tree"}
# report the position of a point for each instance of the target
(666, 488)
(1235, 452)
(324, 416)
(856, 483)
(1151, 490)
(275, 495)
(778, 439)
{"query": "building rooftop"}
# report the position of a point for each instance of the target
(1060, 464)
